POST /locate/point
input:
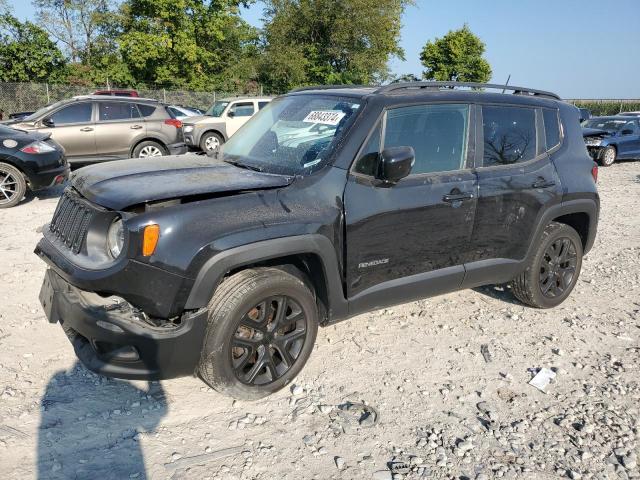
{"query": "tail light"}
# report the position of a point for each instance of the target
(594, 173)
(37, 147)
(174, 122)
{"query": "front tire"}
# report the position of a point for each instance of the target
(608, 156)
(13, 186)
(210, 142)
(554, 269)
(261, 330)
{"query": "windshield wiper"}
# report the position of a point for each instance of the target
(243, 165)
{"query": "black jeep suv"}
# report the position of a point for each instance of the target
(329, 203)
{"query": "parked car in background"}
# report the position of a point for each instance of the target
(19, 115)
(223, 119)
(28, 160)
(94, 128)
(585, 114)
(117, 93)
(630, 114)
(181, 112)
(611, 138)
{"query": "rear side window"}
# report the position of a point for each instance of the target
(76, 113)
(551, 127)
(509, 135)
(261, 105)
(437, 133)
(146, 110)
(110, 111)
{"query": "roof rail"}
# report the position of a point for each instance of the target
(439, 85)
(327, 87)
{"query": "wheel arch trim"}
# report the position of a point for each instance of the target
(219, 265)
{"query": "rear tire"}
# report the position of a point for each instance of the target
(13, 186)
(554, 269)
(210, 141)
(608, 156)
(149, 148)
(261, 330)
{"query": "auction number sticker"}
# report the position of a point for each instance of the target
(325, 117)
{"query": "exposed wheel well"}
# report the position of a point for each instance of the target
(579, 222)
(309, 268)
(148, 139)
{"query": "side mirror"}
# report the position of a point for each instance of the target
(47, 122)
(231, 113)
(395, 163)
(627, 131)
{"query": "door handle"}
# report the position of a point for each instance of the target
(135, 127)
(542, 183)
(457, 197)
(86, 129)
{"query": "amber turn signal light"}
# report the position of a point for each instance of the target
(150, 239)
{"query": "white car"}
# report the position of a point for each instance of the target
(223, 119)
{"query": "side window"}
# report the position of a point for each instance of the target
(437, 133)
(551, 127)
(146, 110)
(76, 113)
(110, 111)
(509, 135)
(261, 105)
(368, 160)
(242, 109)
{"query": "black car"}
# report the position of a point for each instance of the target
(329, 203)
(28, 160)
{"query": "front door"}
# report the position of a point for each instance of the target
(629, 142)
(238, 114)
(74, 129)
(410, 239)
(118, 128)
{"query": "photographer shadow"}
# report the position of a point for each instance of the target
(91, 426)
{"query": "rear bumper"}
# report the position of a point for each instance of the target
(112, 338)
(177, 148)
(49, 178)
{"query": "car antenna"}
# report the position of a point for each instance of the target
(506, 83)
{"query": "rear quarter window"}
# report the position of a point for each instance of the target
(551, 127)
(146, 110)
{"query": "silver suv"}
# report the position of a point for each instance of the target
(223, 119)
(93, 128)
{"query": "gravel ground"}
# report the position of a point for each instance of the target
(432, 389)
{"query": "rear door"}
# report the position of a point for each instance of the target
(74, 129)
(119, 126)
(412, 236)
(517, 183)
(238, 114)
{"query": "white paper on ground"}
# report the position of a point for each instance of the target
(542, 379)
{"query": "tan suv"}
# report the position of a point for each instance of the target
(223, 119)
(94, 128)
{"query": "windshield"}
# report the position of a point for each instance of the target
(38, 113)
(292, 135)
(217, 108)
(608, 124)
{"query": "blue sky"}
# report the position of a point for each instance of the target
(577, 48)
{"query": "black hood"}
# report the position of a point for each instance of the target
(121, 184)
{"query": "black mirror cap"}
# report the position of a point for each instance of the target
(395, 163)
(231, 114)
(47, 122)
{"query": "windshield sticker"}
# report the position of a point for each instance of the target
(325, 117)
(9, 143)
(312, 163)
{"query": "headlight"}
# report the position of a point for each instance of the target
(188, 128)
(115, 238)
(593, 142)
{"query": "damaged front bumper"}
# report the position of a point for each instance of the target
(112, 338)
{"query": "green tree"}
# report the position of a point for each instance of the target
(26, 52)
(194, 44)
(456, 57)
(329, 42)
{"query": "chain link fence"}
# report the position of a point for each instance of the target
(28, 97)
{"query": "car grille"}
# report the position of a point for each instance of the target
(71, 220)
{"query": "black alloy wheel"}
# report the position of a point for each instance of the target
(268, 340)
(558, 267)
